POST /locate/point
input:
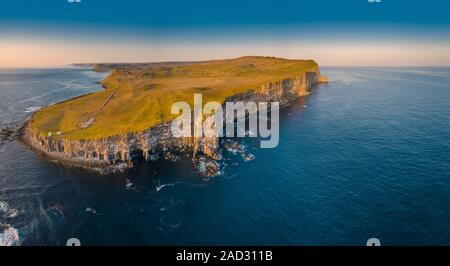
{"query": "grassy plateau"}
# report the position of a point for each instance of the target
(142, 96)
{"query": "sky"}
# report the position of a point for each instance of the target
(47, 33)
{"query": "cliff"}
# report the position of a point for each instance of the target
(108, 153)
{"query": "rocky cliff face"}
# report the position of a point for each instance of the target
(123, 150)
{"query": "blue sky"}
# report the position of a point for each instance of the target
(181, 13)
(198, 29)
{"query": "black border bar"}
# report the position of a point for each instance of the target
(278, 255)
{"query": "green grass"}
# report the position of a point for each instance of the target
(146, 94)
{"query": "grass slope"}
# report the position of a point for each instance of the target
(146, 93)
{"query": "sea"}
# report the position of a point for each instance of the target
(365, 156)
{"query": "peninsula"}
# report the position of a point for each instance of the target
(129, 121)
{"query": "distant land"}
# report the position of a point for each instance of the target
(107, 67)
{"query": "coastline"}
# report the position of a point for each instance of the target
(25, 136)
(122, 151)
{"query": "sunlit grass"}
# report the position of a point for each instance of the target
(146, 94)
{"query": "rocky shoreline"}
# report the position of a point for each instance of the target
(122, 151)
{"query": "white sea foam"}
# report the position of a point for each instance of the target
(6, 211)
(91, 210)
(9, 236)
(160, 187)
(129, 184)
(32, 109)
(3, 206)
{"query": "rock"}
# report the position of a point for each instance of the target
(208, 168)
(233, 146)
(7, 134)
(119, 152)
(323, 79)
(249, 157)
(9, 236)
(171, 157)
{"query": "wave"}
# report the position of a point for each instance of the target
(160, 187)
(6, 211)
(32, 109)
(129, 185)
(91, 210)
(9, 235)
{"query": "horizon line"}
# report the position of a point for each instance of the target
(74, 65)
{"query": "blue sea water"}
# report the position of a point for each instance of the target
(367, 155)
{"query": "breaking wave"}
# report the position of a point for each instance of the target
(32, 109)
(9, 235)
(6, 211)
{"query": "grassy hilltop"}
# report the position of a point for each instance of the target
(143, 94)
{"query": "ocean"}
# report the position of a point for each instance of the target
(365, 156)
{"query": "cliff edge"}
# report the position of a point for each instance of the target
(130, 120)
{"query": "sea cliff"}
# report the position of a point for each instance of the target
(123, 150)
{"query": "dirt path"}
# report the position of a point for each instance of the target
(92, 119)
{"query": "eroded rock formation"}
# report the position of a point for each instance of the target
(112, 153)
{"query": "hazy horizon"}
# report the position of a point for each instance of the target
(57, 33)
